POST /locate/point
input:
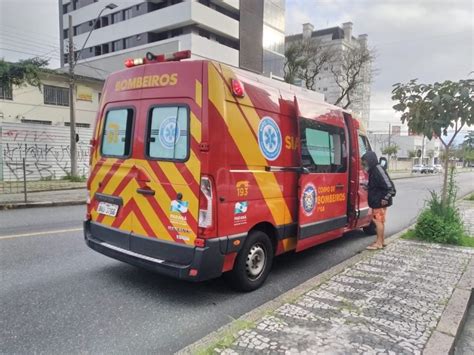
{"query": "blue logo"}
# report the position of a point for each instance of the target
(308, 199)
(169, 133)
(179, 206)
(240, 207)
(269, 138)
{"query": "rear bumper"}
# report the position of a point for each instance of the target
(171, 259)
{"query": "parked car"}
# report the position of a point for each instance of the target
(438, 168)
(427, 169)
(417, 168)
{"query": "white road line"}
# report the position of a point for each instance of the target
(39, 233)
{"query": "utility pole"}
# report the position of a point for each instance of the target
(72, 111)
(389, 134)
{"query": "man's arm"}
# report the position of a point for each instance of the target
(386, 184)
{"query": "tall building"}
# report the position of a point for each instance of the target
(338, 39)
(241, 33)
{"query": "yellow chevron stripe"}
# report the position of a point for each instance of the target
(195, 128)
(173, 175)
(194, 166)
(242, 135)
(198, 97)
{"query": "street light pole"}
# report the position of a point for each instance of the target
(72, 111)
(72, 60)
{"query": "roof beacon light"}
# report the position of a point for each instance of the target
(237, 88)
(152, 58)
(129, 63)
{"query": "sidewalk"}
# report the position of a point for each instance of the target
(387, 302)
(43, 199)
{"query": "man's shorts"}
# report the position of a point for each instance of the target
(379, 214)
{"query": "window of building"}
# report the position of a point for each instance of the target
(55, 95)
(46, 123)
(323, 148)
(168, 133)
(6, 92)
(127, 14)
(117, 134)
(78, 125)
(117, 45)
(117, 17)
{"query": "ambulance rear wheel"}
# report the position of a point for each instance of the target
(371, 229)
(253, 263)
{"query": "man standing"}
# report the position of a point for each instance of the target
(381, 190)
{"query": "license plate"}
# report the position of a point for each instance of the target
(109, 209)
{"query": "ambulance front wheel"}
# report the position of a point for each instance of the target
(253, 263)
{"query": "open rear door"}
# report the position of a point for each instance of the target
(323, 183)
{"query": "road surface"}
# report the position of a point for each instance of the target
(58, 296)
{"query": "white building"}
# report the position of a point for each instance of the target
(339, 39)
(229, 31)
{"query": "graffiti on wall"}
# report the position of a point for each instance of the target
(46, 151)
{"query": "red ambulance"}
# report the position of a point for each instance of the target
(199, 169)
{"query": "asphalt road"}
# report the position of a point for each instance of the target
(58, 296)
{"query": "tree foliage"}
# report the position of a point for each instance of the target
(433, 109)
(391, 150)
(352, 69)
(25, 72)
(305, 60)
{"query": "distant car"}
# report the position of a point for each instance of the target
(438, 168)
(417, 168)
(428, 169)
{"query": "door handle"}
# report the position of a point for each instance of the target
(339, 186)
(148, 191)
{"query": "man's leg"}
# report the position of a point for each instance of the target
(379, 221)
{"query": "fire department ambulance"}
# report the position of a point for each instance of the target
(200, 169)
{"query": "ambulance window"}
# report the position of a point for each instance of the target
(363, 145)
(168, 133)
(323, 148)
(117, 134)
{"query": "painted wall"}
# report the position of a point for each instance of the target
(46, 150)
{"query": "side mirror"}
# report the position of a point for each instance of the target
(383, 162)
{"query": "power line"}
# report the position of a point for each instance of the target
(27, 47)
(28, 33)
(22, 52)
(15, 38)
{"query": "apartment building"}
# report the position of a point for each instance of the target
(338, 39)
(245, 33)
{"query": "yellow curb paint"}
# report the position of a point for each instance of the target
(39, 233)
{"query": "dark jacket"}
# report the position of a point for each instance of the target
(380, 186)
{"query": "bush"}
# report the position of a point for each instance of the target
(434, 228)
(440, 222)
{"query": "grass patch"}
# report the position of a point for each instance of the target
(464, 240)
(409, 234)
(467, 241)
(227, 338)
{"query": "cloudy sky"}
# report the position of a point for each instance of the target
(427, 39)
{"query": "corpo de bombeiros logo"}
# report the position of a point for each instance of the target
(169, 133)
(269, 138)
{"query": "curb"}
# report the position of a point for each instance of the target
(233, 327)
(13, 206)
(444, 337)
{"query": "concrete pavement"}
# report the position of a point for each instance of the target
(60, 297)
(409, 298)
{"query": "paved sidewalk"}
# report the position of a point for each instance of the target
(390, 302)
(45, 198)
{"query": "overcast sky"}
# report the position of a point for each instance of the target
(427, 39)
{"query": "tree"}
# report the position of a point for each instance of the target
(432, 109)
(351, 69)
(25, 72)
(411, 154)
(305, 60)
(391, 150)
(469, 140)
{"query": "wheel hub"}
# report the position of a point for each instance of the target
(256, 260)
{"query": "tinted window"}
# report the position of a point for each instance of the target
(168, 133)
(117, 134)
(364, 145)
(323, 148)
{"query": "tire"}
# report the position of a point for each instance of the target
(371, 229)
(253, 263)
